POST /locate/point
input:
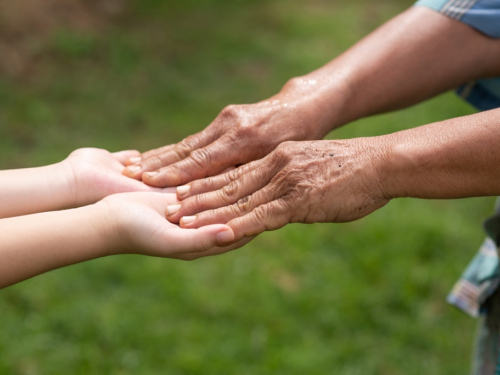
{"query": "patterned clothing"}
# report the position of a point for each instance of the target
(484, 16)
(477, 292)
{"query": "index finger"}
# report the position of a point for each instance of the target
(203, 162)
(208, 184)
(267, 217)
(239, 188)
(163, 156)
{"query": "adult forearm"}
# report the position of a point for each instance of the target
(456, 158)
(38, 243)
(417, 55)
(414, 56)
(340, 181)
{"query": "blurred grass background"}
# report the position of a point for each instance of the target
(361, 298)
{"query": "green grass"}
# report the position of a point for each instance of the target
(361, 298)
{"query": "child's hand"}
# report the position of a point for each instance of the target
(92, 174)
(137, 224)
(130, 223)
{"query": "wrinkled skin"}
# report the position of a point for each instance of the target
(299, 182)
(405, 61)
(239, 134)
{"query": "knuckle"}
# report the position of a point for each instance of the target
(280, 150)
(153, 161)
(244, 130)
(261, 213)
(243, 204)
(182, 149)
(230, 112)
(235, 174)
(229, 192)
(206, 184)
(286, 145)
(201, 158)
(294, 82)
(234, 211)
(198, 201)
(284, 151)
(188, 143)
(192, 140)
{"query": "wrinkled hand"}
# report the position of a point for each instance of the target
(240, 134)
(92, 174)
(306, 182)
(137, 225)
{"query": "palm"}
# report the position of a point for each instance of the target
(140, 212)
(97, 174)
(143, 229)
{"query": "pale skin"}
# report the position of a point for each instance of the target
(415, 56)
(132, 222)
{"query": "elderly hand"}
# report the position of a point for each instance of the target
(307, 182)
(240, 134)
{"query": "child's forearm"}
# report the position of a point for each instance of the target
(38, 243)
(32, 190)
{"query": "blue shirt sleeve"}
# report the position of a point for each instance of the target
(482, 15)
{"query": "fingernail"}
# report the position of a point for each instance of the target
(181, 190)
(134, 168)
(135, 160)
(188, 219)
(151, 174)
(173, 209)
(225, 236)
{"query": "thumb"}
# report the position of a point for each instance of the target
(198, 240)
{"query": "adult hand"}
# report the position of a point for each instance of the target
(136, 224)
(415, 48)
(307, 182)
(92, 174)
(240, 134)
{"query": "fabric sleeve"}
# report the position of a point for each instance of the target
(482, 15)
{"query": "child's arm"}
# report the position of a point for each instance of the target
(120, 224)
(85, 177)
